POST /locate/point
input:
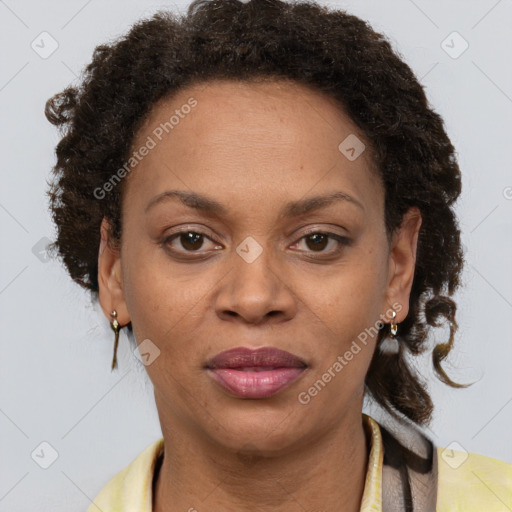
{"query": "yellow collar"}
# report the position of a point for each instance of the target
(372, 495)
(132, 488)
(473, 484)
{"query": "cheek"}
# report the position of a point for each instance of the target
(346, 313)
(170, 308)
(350, 298)
(156, 296)
(346, 309)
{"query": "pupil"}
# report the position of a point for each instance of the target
(320, 241)
(189, 241)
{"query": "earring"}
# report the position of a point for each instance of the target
(390, 344)
(116, 328)
(393, 328)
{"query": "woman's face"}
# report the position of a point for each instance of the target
(249, 158)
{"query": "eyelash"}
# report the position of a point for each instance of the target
(343, 241)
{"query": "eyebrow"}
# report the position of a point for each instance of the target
(213, 208)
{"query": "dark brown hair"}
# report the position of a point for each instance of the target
(329, 50)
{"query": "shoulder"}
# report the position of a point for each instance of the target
(471, 482)
(131, 488)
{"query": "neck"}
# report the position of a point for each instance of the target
(327, 473)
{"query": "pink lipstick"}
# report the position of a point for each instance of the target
(259, 373)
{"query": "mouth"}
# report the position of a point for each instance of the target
(261, 373)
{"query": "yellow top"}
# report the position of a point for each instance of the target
(466, 482)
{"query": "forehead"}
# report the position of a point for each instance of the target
(262, 105)
(246, 140)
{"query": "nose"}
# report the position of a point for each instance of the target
(255, 292)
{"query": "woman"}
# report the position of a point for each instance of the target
(260, 193)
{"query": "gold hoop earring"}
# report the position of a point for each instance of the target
(116, 328)
(390, 344)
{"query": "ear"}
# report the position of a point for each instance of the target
(111, 295)
(402, 262)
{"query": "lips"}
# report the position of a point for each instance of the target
(257, 373)
(245, 358)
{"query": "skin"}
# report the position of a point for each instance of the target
(254, 147)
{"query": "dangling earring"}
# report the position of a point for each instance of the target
(390, 344)
(393, 328)
(116, 328)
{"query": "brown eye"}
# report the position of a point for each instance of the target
(324, 243)
(318, 241)
(191, 241)
(186, 242)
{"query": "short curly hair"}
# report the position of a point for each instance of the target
(329, 50)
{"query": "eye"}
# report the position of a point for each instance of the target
(317, 241)
(190, 241)
(187, 242)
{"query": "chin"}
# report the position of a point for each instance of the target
(265, 432)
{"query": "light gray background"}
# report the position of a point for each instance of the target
(56, 385)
